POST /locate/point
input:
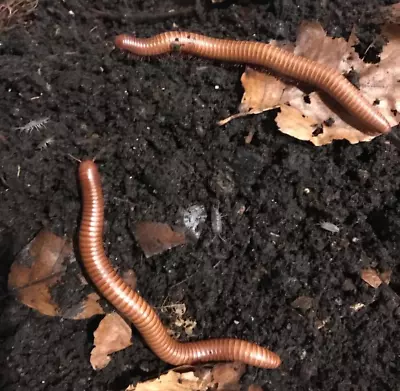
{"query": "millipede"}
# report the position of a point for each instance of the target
(266, 55)
(131, 305)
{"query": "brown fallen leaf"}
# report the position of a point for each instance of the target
(312, 115)
(112, 335)
(227, 376)
(391, 13)
(261, 92)
(221, 377)
(38, 268)
(373, 278)
(89, 307)
(155, 238)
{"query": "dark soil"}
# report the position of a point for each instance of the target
(153, 125)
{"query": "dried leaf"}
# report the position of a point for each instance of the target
(227, 376)
(374, 279)
(90, 307)
(312, 42)
(38, 268)
(371, 277)
(172, 381)
(155, 238)
(261, 92)
(313, 116)
(223, 377)
(112, 335)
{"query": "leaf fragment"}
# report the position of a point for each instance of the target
(112, 335)
(156, 238)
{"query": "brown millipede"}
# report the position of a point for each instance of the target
(134, 307)
(279, 60)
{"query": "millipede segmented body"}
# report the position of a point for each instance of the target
(130, 304)
(266, 55)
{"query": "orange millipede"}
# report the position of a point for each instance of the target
(130, 304)
(279, 60)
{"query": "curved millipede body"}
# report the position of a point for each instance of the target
(266, 55)
(134, 307)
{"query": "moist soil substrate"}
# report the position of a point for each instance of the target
(152, 125)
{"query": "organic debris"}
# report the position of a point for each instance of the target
(156, 238)
(89, 307)
(177, 320)
(221, 377)
(374, 279)
(314, 116)
(194, 218)
(112, 335)
(13, 12)
(38, 268)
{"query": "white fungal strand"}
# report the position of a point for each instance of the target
(36, 124)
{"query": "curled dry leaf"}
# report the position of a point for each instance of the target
(373, 278)
(221, 377)
(38, 268)
(156, 238)
(112, 335)
(313, 116)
